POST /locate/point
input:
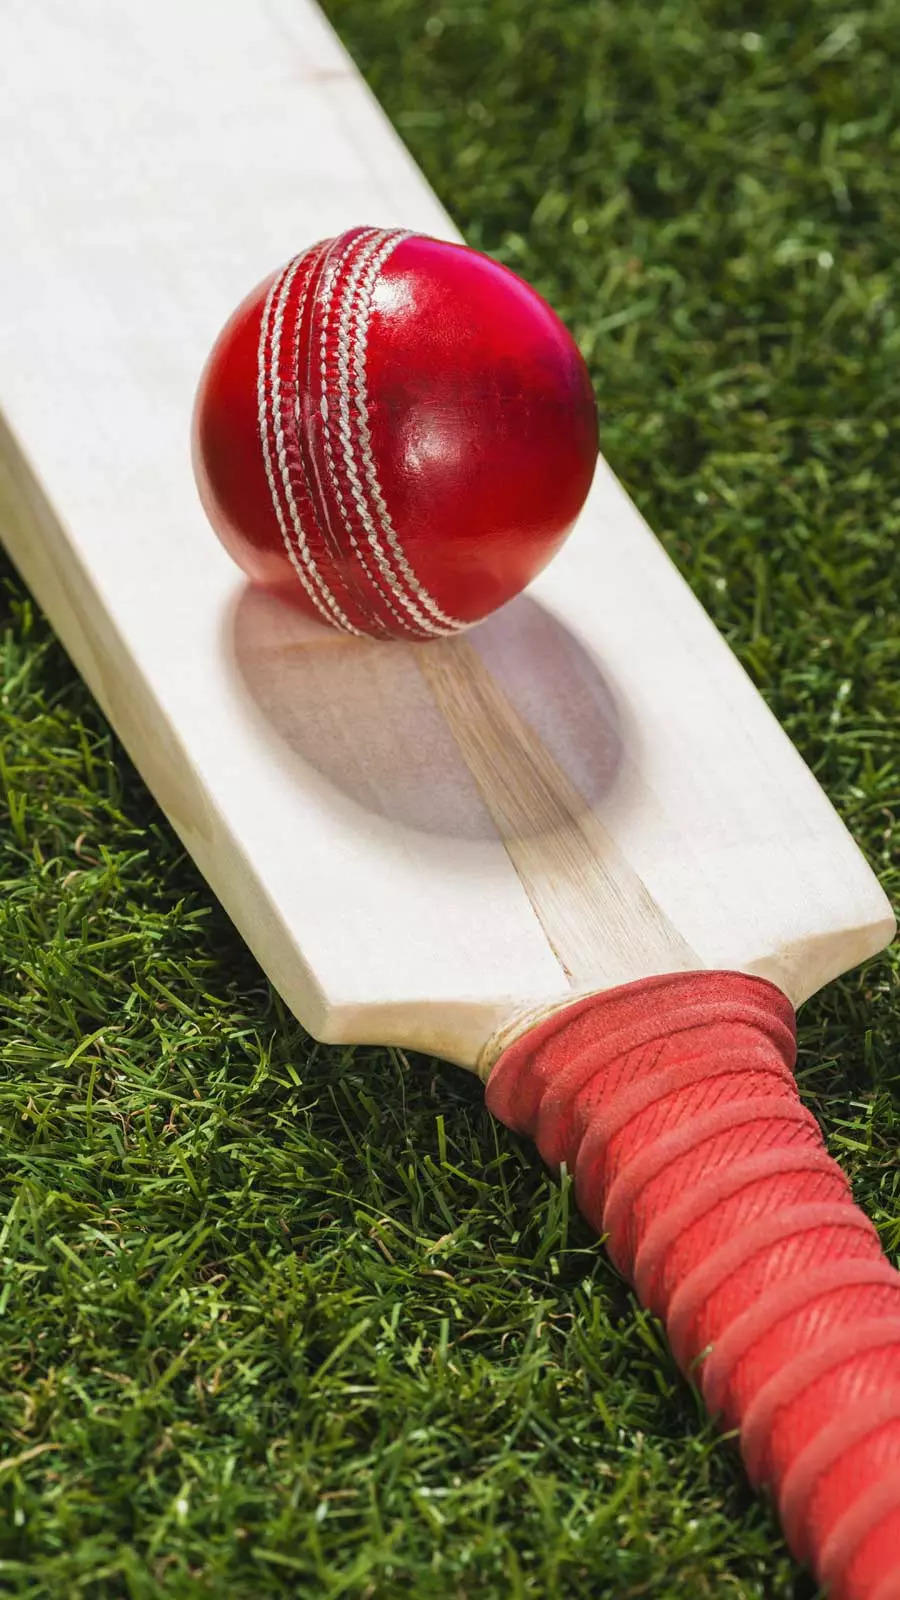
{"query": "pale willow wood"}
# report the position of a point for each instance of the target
(420, 844)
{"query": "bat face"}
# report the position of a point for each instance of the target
(419, 843)
(583, 790)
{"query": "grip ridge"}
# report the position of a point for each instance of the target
(673, 1103)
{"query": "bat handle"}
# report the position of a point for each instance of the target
(673, 1103)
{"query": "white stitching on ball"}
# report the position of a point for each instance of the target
(445, 624)
(362, 244)
(301, 558)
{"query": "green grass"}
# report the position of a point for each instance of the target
(281, 1319)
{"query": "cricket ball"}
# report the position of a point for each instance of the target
(394, 433)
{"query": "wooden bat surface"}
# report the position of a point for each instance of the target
(421, 844)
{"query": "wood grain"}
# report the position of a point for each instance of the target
(594, 909)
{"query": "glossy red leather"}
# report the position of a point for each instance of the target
(394, 433)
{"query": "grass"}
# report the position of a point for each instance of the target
(281, 1319)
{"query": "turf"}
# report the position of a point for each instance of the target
(281, 1319)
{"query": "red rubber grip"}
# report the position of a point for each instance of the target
(673, 1103)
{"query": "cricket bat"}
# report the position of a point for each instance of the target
(571, 850)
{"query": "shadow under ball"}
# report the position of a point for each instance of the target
(394, 433)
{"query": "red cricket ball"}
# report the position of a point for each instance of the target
(394, 433)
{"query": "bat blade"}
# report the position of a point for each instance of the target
(418, 843)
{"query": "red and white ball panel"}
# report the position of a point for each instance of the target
(394, 433)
